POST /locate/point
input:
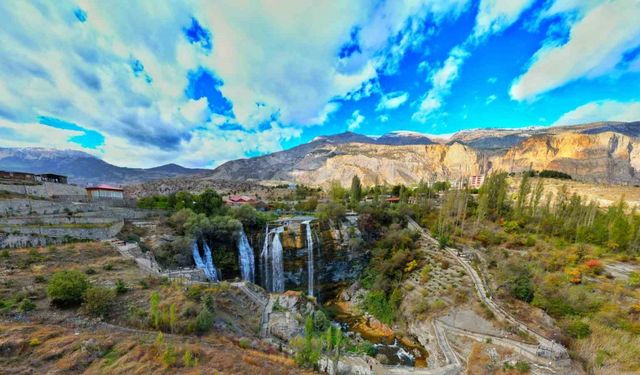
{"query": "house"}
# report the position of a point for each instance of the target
(104, 192)
(239, 200)
(476, 181)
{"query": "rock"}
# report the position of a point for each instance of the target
(382, 359)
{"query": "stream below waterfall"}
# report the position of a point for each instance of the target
(398, 351)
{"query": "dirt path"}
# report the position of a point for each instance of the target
(547, 353)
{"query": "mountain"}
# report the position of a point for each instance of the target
(598, 152)
(83, 168)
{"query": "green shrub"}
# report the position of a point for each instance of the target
(40, 279)
(578, 329)
(204, 320)
(169, 357)
(67, 288)
(522, 367)
(98, 301)
(382, 307)
(90, 271)
(121, 287)
(188, 359)
(244, 343)
(108, 267)
(26, 305)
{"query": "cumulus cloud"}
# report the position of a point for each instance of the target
(392, 100)
(355, 121)
(596, 45)
(607, 110)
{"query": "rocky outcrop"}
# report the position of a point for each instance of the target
(604, 157)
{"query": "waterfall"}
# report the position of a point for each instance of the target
(310, 273)
(266, 280)
(277, 266)
(207, 265)
(247, 262)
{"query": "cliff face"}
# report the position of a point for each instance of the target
(604, 157)
(599, 152)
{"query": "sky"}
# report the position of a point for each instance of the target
(198, 83)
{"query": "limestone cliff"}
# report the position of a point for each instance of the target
(598, 152)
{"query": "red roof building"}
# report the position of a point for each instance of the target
(238, 200)
(104, 192)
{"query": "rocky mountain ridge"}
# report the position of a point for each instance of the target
(83, 168)
(598, 152)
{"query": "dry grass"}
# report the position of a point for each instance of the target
(610, 351)
(50, 340)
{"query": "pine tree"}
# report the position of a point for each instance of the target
(521, 198)
(356, 190)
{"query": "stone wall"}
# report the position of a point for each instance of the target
(41, 235)
(46, 189)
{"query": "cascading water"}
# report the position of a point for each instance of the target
(277, 266)
(310, 272)
(207, 265)
(266, 279)
(247, 262)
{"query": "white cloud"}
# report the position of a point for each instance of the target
(493, 17)
(81, 72)
(392, 100)
(383, 118)
(596, 45)
(490, 99)
(355, 121)
(441, 81)
(607, 110)
(496, 15)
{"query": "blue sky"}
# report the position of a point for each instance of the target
(199, 83)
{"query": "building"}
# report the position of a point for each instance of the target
(104, 192)
(393, 200)
(32, 177)
(476, 181)
(239, 200)
(50, 177)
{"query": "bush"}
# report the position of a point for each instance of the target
(67, 288)
(99, 301)
(204, 320)
(522, 367)
(26, 305)
(578, 329)
(382, 307)
(121, 287)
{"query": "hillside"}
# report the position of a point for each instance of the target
(600, 152)
(83, 168)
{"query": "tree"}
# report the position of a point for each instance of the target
(154, 310)
(336, 192)
(67, 288)
(204, 320)
(356, 190)
(307, 348)
(521, 198)
(209, 203)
